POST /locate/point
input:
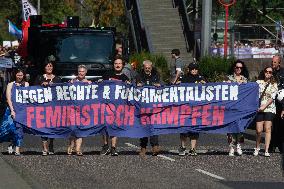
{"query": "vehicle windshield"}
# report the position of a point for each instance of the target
(78, 48)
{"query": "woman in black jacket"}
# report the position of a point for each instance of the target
(47, 79)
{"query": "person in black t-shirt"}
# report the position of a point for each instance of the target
(192, 77)
(46, 79)
(116, 74)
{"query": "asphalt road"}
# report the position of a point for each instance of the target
(212, 168)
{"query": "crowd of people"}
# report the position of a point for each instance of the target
(269, 114)
(261, 44)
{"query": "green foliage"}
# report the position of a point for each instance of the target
(11, 10)
(104, 13)
(55, 11)
(246, 11)
(215, 69)
(159, 62)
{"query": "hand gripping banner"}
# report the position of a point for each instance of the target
(82, 110)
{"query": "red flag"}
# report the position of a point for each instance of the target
(22, 50)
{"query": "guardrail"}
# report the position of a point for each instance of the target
(248, 52)
(187, 27)
(140, 32)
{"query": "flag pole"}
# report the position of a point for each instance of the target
(38, 7)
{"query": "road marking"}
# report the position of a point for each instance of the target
(210, 174)
(187, 151)
(132, 145)
(165, 157)
(161, 156)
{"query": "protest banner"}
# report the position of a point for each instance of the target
(61, 110)
(6, 62)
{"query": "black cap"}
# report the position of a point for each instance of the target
(192, 66)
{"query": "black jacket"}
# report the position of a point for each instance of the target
(192, 79)
(149, 80)
(279, 76)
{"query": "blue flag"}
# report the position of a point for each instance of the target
(14, 30)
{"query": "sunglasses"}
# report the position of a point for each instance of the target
(237, 67)
(270, 72)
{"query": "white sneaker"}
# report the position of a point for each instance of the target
(239, 150)
(231, 151)
(10, 149)
(266, 154)
(256, 151)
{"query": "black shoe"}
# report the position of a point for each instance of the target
(105, 150)
(51, 151)
(181, 151)
(272, 150)
(113, 151)
(192, 152)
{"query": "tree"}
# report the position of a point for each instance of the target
(104, 12)
(9, 9)
(246, 11)
(54, 11)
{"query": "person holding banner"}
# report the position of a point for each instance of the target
(239, 74)
(75, 140)
(277, 138)
(118, 76)
(192, 77)
(267, 110)
(10, 130)
(44, 80)
(149, 77)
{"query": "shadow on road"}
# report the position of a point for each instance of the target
(250, 185)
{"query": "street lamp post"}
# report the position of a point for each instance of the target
(226, 4)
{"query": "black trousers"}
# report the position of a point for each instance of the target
(277, 135)
(154, 141)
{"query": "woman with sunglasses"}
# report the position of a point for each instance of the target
(238, 74)
(267, 110)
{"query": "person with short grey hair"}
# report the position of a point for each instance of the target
(76, 140)
(81, 77)
(147, 62)
(82, 66)
(149, 77)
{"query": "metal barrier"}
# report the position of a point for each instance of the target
(140, 32)
(187, 27)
